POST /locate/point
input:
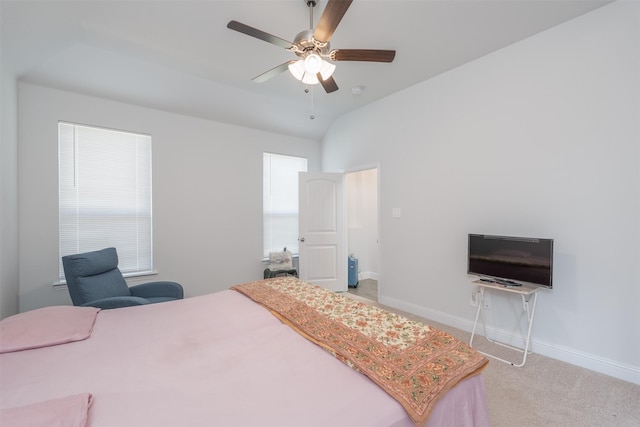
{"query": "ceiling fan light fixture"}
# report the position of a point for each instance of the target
(313, 63)
(327, 69)
(310, 79)
(306, 70)
(296, 69)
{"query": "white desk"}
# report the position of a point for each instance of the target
(527, 293)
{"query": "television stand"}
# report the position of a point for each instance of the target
(528, 295)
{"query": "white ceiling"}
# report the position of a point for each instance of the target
(178, 55)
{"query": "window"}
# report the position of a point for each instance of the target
(105, 194)
(280, 201)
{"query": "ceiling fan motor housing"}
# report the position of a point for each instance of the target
(304, 44)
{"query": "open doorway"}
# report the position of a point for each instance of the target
(362, 232)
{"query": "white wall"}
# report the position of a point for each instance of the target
(207, 191)
(9, 191)
(539, 139)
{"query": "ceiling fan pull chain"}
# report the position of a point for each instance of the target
(311, 116)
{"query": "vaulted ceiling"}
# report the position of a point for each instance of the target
(179, 56)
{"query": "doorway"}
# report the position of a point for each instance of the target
(362, 230)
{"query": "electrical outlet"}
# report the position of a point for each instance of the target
(486, 301)
(474, 297)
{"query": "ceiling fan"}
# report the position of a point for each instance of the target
(312, 48)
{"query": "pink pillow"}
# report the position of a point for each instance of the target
(70, 411)
(46, 327)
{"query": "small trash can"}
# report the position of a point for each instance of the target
(353, 271)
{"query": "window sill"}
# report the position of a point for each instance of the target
(61, 285)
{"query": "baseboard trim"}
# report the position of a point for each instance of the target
(569, 355)
(363, 275)
(590, 361)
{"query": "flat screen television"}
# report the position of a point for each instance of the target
(511, 261)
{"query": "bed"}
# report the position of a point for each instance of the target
(275, 352)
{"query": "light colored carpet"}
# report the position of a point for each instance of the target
(547, 392)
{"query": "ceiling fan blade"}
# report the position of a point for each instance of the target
(329, 84)
(372, 55)
(331, 16)
(272, 72)
(259, 34)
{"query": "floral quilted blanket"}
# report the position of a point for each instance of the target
(414, 363)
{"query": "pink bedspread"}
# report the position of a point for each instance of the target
(70, 411)
(46, 326)
(214, 360)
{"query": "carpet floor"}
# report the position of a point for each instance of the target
(545, 392)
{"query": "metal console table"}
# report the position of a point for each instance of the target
(529, 297)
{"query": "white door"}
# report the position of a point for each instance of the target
(323, 231)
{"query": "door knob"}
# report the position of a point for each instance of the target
(302, 239)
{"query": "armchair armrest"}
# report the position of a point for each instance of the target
(116, 302)
(158, 289)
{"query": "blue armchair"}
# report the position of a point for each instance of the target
(93, 279)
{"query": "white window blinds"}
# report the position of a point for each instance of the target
(105, 194)
(280, 201)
